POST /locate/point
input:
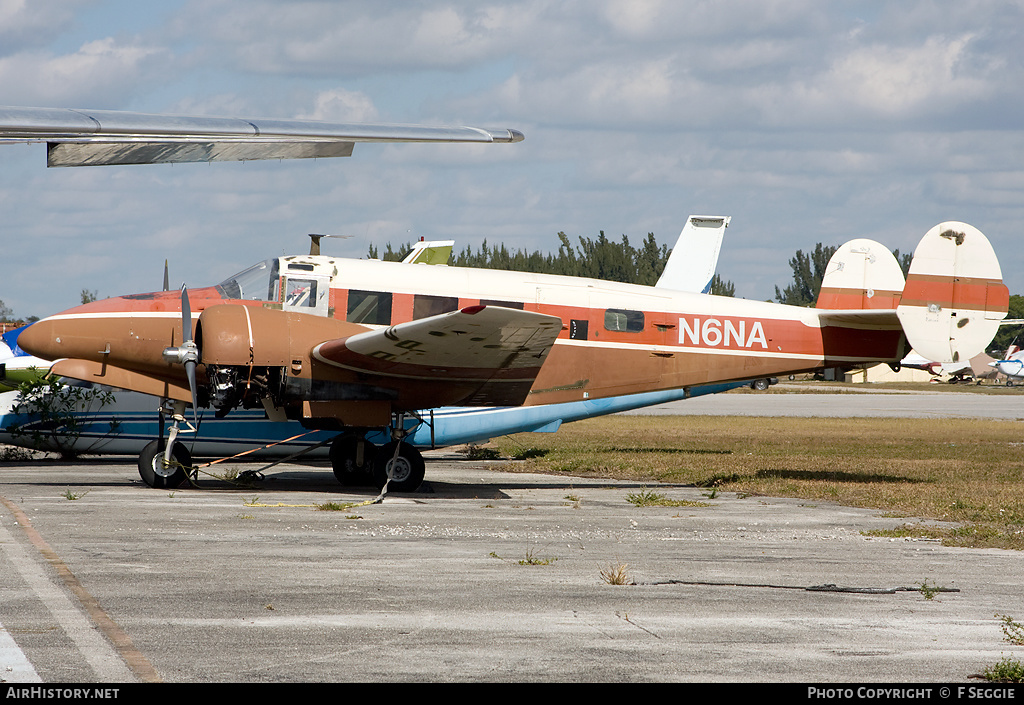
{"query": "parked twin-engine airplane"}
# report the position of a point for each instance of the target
(127, 421)
(385, 342)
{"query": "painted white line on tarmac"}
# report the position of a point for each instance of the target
(104, 660)
(14, 665)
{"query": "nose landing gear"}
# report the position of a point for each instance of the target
(165, 464)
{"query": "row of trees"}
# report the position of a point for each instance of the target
(599, 258)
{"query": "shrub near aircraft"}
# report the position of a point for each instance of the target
(385, 342)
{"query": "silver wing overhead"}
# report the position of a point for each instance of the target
(99, 137)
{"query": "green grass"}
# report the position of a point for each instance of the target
(1009, 670)
(964, 476)
(649, 498)
(334, 506)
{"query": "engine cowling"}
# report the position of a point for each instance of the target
(251, 353)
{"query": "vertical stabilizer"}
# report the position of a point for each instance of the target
(693, 261)
(862, 274)
(954, 297)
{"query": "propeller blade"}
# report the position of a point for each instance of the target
(186, 317)
(192, 357)
(190, 370)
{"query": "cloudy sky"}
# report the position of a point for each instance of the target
(806, 121)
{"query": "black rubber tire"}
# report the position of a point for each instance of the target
(759, 384)
(408, 472)
(343, 460)
(151, 455)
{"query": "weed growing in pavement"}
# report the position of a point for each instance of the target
(616, 574)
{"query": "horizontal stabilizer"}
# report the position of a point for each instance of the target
(874, 319)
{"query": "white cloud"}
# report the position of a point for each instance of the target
(340, 105)
(98, 73)
(26, 24)
(900, 81)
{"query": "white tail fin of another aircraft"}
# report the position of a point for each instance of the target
(430, 252)
(693, 261)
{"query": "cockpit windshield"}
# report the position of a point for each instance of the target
(257, 283)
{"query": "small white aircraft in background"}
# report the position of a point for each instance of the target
(16, 365)
(1012, 365)
(973, 370)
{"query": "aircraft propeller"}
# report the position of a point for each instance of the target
(187, 353)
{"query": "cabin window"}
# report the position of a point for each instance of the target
(622, 320)
(369, 307)
(424, 306)
(504, 304)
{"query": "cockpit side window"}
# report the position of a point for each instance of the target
(301, 292)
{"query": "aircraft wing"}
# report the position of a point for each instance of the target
(497, 350)
(100, 137)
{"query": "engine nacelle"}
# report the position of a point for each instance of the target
(235, 334)
(252, 352)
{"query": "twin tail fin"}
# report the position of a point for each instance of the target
(950, 304)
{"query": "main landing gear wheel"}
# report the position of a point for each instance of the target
(407, 470)
(352, 458)
(156, 473)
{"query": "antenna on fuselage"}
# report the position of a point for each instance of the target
(167, 285)
(314, 246)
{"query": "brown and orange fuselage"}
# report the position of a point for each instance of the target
(616, 339)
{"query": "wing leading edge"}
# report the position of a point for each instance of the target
(103, 137)
(497, 350)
